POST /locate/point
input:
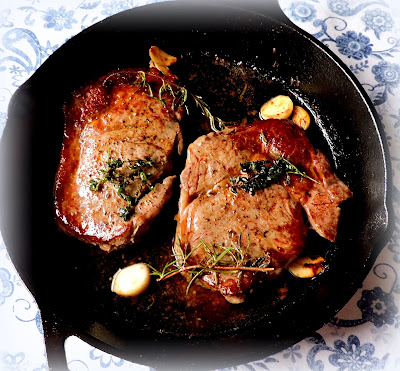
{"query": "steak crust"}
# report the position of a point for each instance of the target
(270, 222)
(114, 118)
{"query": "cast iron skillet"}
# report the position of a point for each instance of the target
(256, 47)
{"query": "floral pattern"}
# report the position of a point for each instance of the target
(344, 9)
(378, 20)
(394, 243)
(354, 356)
(302, 11)
(350, 355)
(105, 359)
(362, 34)
(292, 353)
(26, 311)
(381, 334)
(388, 77)
(340, 7)
(378, 307)
(361, 47)
(4, 18)
(6, 285)
(19, 42)
(387, 74)
(115, 7)
(354, 45)
(259, 365)
(59, 19)
(13, 361)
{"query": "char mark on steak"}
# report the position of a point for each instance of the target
(119, 141)
(270, 222)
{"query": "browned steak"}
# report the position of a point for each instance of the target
(267, 224)
(116, 157)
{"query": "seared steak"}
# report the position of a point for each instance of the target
(267, 224)
(116, 157)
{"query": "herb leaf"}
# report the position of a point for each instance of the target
(217, 259)
(112, 174)
(125, 213)
(179, 96)
(261, 174)
(95, 184)
(213, 120)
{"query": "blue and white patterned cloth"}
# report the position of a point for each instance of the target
(365, 335)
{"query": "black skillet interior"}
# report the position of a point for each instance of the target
(220, 48)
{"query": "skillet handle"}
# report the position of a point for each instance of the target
(55, 335)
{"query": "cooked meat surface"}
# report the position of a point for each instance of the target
(268, 223)
(115, 162)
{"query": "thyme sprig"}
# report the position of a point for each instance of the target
(213, 120)
(217, 259)
(261, 174)
(111, 173)
(178, 93)
(179, 96)
(142, 83)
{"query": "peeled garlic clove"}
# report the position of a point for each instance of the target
(279, 107)
(307, 266)
(161, 60)
(301, 117)
(132, 280)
